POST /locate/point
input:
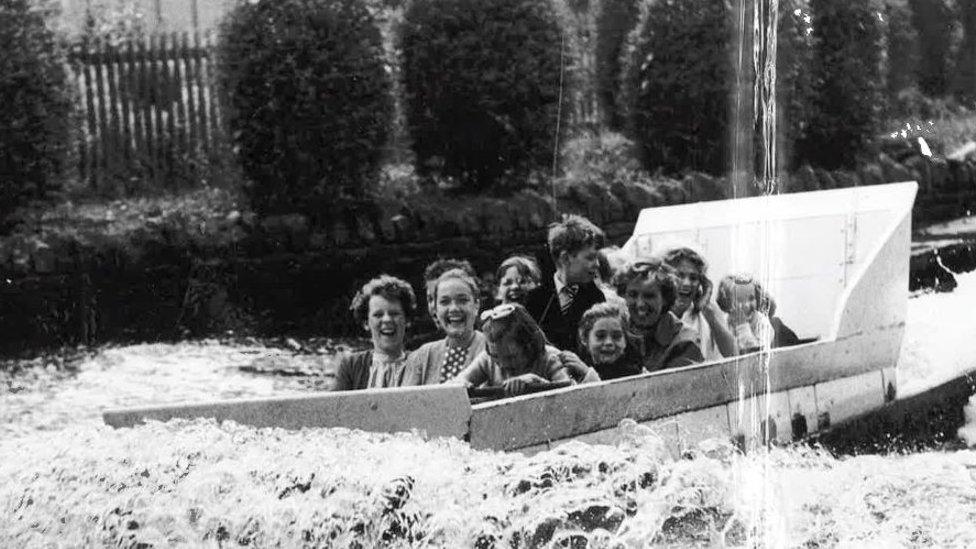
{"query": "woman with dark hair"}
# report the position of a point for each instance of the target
(517, 357)
(649, 288)
(382, 306)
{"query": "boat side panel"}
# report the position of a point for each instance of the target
(842, 399)
(877, 299)
(823, 361)
(533, 419)
(438, 410)
(821, 407)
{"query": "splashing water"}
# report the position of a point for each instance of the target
(64, 478)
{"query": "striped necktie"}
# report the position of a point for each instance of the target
(566, 296)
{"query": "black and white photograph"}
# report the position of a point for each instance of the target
(490, 274)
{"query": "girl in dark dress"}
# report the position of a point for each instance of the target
(604, 343)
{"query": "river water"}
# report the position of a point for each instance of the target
(67, 480)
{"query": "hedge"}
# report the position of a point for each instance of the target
(310, 106)
(36, 115)
(482, 88)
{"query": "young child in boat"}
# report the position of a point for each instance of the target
(649, 289)
(456, 305)
(694, 306)
(516, 356)
(382, 306)
(604, 333)
(742, 298)
(561, 299)
(517, 276)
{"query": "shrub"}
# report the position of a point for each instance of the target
(680, 84)
(482, 87)
(964, 77)
(35, 118)
(902, 49)
(309, 100)
(615, 19)
(794, 82)
(848, 99)
(938, 33)
(679, 81)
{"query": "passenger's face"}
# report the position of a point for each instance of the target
(513, 287)
(689, 286)
(645, 303)
(744, 296)
(581, 267)
(387, 324)
(606, 342)
(456, 307)
(509, 356)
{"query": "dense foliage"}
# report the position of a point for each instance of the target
(964, 76)
(902, 49)
(848, 81)
(794, 83)
(615, 19)
(309, 97)
(938, 32)
(36, 98)
(482, 87)
(680, 80)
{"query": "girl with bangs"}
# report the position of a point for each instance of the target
(517, 357)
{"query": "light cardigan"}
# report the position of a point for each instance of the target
(424, 365)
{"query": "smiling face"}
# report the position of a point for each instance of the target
(509, 356)
(606, 342)
(644, 302)
(513, 287)
(580, 267)
(387, 324)
(689, 286)
(744, 300)
(456, 308)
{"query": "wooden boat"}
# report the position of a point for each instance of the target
(837, 263)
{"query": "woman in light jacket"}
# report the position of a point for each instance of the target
(455, 297)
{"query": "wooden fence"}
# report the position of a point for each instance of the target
(150, 108)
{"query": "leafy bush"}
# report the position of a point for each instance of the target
(679, 81)
(615, 19)
(35, 118)
(482, 87)
(902, 51)
(964, 77)
(604, 159)
(309, 100)
(794, 82)
(848, 99)
(938, 33)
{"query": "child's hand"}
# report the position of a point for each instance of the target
(706, 294)
(520, 384)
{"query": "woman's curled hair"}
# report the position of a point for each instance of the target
(389, 287)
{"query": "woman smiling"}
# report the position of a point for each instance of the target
(382, 306)
(455, 298)
(650, 288)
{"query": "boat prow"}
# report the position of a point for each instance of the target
(837, 263)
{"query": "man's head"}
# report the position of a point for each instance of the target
(573, 244)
